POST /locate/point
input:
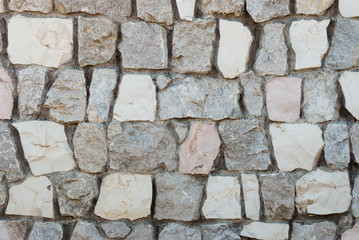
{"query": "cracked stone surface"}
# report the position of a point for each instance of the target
(159, 11)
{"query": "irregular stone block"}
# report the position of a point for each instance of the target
(352, 233)
(13, 229)
(117, 10)
(203, 97)
(245, 145)
(309, 41)
(350, 87)
(85, 231)
(44, 6)
(218, 231)
(9, 162)
(272, 53)
(33, 197)
(97, 40)
(355, 202)
(234, 46)
(2, 6)
(142, 231)
(162, 81)
(251, 196)
(6, 90)
(349, 8)
(296, 145)
(181, 129)
(30, 86)
(319, 231)
(176, 231)
(159, 11)
(267, 231)
(143, 46)
(45, 146)
(3, 193)
(354, 140)
(178, 197)
(192, 46)
(323, 193)
(115, 229)
(101, 91)
(66, 100)
(309, 7)
(186, 9)
(125, 196)
(46, 231)
(233, 7)
(263, 10)
(283, 98)
(42, 41)
(223, 198)
(200, 149)
(252, 93)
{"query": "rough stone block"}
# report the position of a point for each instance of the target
(159, 11)
(229, 7)
(176, 231)
(44, 6)
(252, 93)
(263, 10)
(6, 91)
(309, 7)
(252, 202)
(319, 231)
(46, 231)
(267, 231)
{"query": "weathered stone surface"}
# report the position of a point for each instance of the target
(85, 231)
(46, 231)
(2, 6)
(6, 90)
(30, 86)
(136, 99)
(181, 129)
(296, 145)
(263, 10)
(350, 87)
(115, 229)
(125, 196)
(323, 193)
(42, 41)
(14, 230)
(344, 49)
(336, 147)
(186, 9)
(344, 223)
(192, 46)
(283, 98)
(176, 231)
(117, 10)
(44, 6)
(218, 231)
(355, 202)
(159, 11)
(309, 7)
(320, 89)
(245, 145)
(45, 146)
(9, 162)
(272, 53)
(309, 41)
(351, 234)
(142, 148)
(66, 100)
(354, 139)
(349, 8)
(234, 46)
(143, 232)
(33, 197)
(3, 193)
(162, 81)
(200, 149)
(101, 91)
(252, 93)
(233, 7)
(319, 231)
(278, 195)
(223, 198)
(143, 45)
(266, 231)
(203, 97)
(178, 197)
(76, 192)
(251, 196)
(97, 40)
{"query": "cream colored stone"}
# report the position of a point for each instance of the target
(234, 45)
(2, 6)
(349, 8)
(266, 231)
(309, 41)
(349, 82)
(45, 146)
(125, 196)
(6, 90)
(296, 145)
(223, 198)
(251, 195)
(323, 193)
(186, 9)
(136, 100)
(313, 7)
(33, 197)
(42, 41)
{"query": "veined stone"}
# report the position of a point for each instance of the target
(350, 86)
(46, 231)
(354, 139)
(223, 198)
(6, 90)
(13, 229)
(323, 193)
(296, 145)
(44, 6)
(159, 11)
(45, 146)
(355, 202)
(136, 99)
(318, 231)
(125, 196)
(42, 41)
(115, 229)
(186, 9)
(251, 196)
(9, 162)
(263, 10)
(266, 231)
(234, 46)
(142, 231)
(309, 41)
(351, 234)
(85, 231)
(310, 7)
(176, 231)
(200, 149)
(349, 8)
(33, 197)
(252, 93)
(162, 81)
(219, 231)
(233, 7)
(283, 98)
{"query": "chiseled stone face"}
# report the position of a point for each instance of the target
(42, 41)
(44, 6)
(233, 7)
(349, 8)
(251, 196)
(6, 90)
(263, 10)
(267, 231)
(310, 7)
(319, 231)
(350, 86)
(186, 9)
(13, 229)
(33, 197)
(125, 196)
(159, 11)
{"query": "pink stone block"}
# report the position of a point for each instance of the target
(6, 100)
(351, 234)
(200, 149)
(283, 98)
(12, 230)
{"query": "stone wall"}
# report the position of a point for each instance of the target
(179, 119)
